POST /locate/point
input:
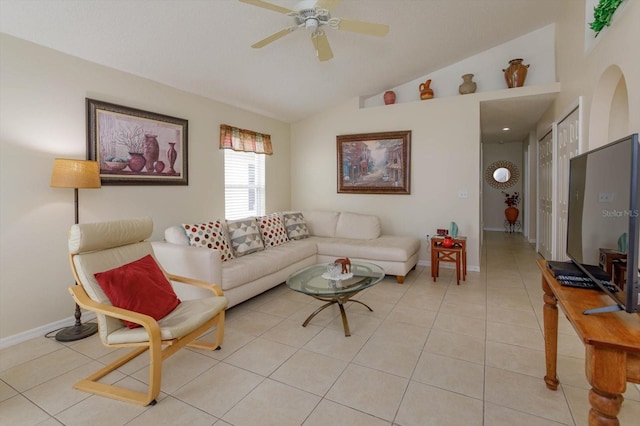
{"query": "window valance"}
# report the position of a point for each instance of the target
(244, 140)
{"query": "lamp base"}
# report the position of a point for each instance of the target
(77, 332)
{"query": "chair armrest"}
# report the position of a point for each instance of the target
(198, 283)
(84, 301)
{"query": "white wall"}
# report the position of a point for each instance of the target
(536, 48)
(584, 74)
(493, 199)
(42, 116)
(445, 152)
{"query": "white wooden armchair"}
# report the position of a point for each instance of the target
(98, 247)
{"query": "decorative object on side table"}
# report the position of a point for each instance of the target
(468, 85)
(447, 242)
(425, 91)
(389, 97)
(76, 174)
(453, 229)
(515, 73)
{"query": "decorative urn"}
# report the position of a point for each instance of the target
(447, 242)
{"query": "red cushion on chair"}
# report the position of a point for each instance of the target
(139, 286)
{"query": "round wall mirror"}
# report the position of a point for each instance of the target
(502, 174)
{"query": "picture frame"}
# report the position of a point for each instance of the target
(136, 147)
(374, 163)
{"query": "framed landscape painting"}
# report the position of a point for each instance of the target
(135, 147)
(374, 163)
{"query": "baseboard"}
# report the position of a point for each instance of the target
(6, 342)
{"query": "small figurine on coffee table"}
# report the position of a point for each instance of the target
(346, 264)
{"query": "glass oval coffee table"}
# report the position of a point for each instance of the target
(310, 281)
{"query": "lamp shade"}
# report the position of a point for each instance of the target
(70, 173)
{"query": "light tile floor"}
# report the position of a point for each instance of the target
(429, 354)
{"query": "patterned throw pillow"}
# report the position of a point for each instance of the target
(244, 235)
(209, 235)
(295, 225)
(272, 229)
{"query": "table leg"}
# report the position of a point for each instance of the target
(464, 262)
(550, 315)
(317, 311)
(362, 303)
(606, 372)
(433, 263)
(345, 323)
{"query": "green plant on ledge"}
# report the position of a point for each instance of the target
(602, 14)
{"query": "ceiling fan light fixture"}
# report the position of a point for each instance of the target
(311, 24)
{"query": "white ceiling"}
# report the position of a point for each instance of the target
(203, 47)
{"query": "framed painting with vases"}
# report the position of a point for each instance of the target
(136, 147)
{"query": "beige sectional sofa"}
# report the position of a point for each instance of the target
(312, 237)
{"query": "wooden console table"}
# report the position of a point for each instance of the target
(612, 344)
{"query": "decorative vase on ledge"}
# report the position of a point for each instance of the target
(468, 85)
(389, 97)
(515, 73)
(511, 213)
(425, 91)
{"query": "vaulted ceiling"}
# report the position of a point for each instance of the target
(204, 47)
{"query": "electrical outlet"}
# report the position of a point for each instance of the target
(427, 236)
(605, 197)
(463, 194)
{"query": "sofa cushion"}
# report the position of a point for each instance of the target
(295, 225)
(245, 269)
(244, 235)
(386, 247)
(321, 223)
(139, 286)
(209, 235)
(272, 230)
(357, 226)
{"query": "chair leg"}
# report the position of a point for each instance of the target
(400, 279)
(91, 384)
(201, 344)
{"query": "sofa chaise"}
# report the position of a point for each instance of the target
(245, 263)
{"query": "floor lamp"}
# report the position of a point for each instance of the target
(76, 174)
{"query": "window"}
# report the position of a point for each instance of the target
(244, 184)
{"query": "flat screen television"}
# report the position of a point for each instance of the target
(603, 216)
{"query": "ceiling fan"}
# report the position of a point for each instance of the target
(313, 18)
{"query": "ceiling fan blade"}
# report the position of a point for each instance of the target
(273, 37)
(327, 4)
(368, 28)
(320, 42)
(270, 6)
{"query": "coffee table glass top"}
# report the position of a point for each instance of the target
(309, 280)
